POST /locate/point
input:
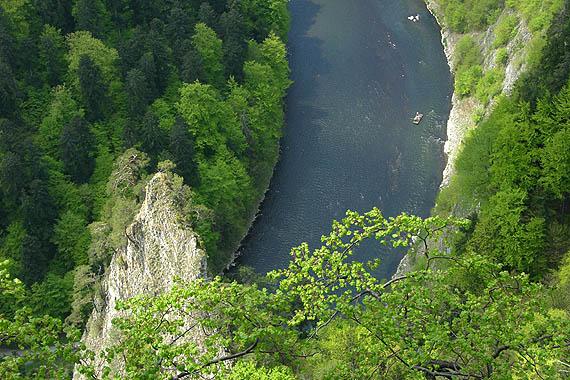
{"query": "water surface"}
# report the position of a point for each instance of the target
(361, 71)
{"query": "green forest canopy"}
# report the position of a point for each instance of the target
(199, 83)
(117, 87)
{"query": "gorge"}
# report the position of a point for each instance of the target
(361, 70)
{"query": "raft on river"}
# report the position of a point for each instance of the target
(418, 118)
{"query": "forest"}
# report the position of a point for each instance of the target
(82, 83)
(197, 88)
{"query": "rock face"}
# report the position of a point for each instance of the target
(160, 247)
(464, 110)
(461, 117)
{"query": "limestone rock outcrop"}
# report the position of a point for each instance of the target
(160, 247)
(463, 111)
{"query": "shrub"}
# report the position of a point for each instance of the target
(505, 31)
(466, 80)
(490, 85)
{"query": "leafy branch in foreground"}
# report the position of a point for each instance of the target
(32, 346)
(326, 317)
(329, 317)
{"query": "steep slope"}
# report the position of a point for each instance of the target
(160, 248)
(467, 110)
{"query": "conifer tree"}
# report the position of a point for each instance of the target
(52, 50)
(152, 137)
(77, 150)
(93, 88)
(91, 15)
(182, 152)
(138, 93)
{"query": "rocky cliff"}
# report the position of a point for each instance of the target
(462, 117)
(465, 109)
(159, 247)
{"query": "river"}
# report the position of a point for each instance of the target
(361, 71)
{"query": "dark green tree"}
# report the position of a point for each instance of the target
(157, 45)
(93, 88)
(8, 89)
(179, 24)
(39, 213)
(207, 15)
(77, 150)
(192, 67)
(130, 134)
(183, 153)
(152, 137)
(138, 93)
(16, 156)
(52, 51)
(91, 15)
(54, 12)
(6, 39)
(12, 180)
(148, 66)
(131, 50)
(144, 11)
(233, 31)
(120, 12)
(34, 259)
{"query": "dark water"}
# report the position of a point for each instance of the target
(361, 71)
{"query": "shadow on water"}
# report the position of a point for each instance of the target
(304, 87)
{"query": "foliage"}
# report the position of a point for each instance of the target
(76, 150)
(505, 30)
(466, 81)
(467, 63)
(538, 14)
(83, 81)
(36, 348)
(52, 50)
(489, 85)
(209, 47)
(84, 44)
(514, 165)
(331, 317)
(469, 15)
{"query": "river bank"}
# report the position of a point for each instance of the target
(467, 111)
(360, 71)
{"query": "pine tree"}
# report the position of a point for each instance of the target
(6, 39)
(138, 93)
(39, 217)
(192, 67)
(147, 65)
(52, 50)
(54, 12)
(91, 15)
(233, 31)
(207, 15)
(93, 88)
(182, 152)
(152, 136)
(157, 45)
(8, 89)
(77, 150)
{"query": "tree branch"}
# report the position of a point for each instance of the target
(248, 350)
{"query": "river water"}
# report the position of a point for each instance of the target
(361, 71)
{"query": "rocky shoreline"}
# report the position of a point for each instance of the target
(460, 116)
(463, 111)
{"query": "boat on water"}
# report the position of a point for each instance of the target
(418, 118)
(415, 18)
